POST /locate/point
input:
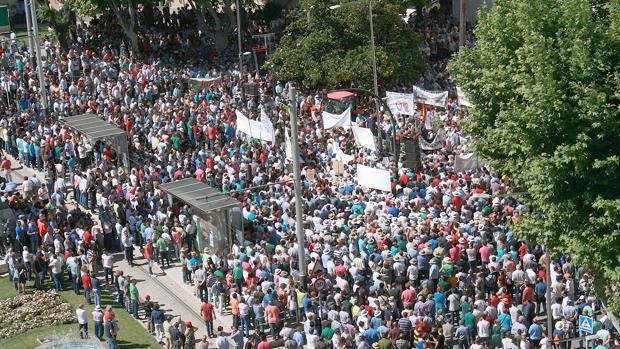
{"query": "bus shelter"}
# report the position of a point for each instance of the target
(99, 130)
(214, 214)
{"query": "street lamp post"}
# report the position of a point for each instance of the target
(37, 48)
(240, 51)
(299, 228)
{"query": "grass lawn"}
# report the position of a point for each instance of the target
(131, 334)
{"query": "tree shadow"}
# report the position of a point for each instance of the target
(126, 344)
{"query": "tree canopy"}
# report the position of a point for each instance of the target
(545, 79)
(331, 48)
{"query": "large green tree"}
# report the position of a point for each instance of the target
(60, 20)
(545, 79)
(331, 48)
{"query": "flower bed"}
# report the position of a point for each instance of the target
(26, 312)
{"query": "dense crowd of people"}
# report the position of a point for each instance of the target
(434, 263)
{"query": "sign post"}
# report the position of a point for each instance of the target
(585, 325)
(319, 285)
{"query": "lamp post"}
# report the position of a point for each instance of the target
(35, 31)
(299, 228)
(240, 50)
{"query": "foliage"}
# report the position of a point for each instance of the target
(545, 81)
(272, 11)
(60, 20)
(331, 48)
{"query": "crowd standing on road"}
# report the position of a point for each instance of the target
(433, 264)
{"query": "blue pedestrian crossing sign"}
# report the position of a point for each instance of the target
(585, 324)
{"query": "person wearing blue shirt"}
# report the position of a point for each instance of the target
(440, 300)
(540, 289)
(267, 298)
(504, 321)
(535, 333)
(307, 303)
(372, 335)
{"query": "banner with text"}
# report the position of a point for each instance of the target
(402, 103)
(438, 99)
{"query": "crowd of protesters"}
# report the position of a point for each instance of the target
(434, 263)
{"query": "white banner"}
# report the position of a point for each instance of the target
(340, 155)
(253, 128)
(466, 162)
(402, 103)
(364, 137)
(205, 83)
(436, 143)
(463, 101)
(373, 178)
(439, 99)
(337, 120)
(266, 123)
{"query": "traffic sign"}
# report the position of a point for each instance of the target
(319, 284)
(585, 324)
(318, 268)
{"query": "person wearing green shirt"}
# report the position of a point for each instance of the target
(238, 276)
(384, 343)
(134, 297)
(162, 246)
(447, 268)
(470, 320)
(327, 331)
(176, 141)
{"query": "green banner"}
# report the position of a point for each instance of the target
(5, 23)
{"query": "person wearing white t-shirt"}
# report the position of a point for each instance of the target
(82, 318)
(484, 327)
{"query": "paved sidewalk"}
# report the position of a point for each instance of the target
(167, 289)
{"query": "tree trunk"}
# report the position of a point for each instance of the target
(221, 40)
(200, 21)
(128, 23)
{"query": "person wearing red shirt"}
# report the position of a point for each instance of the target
(528, 292)
(87, 285)
(408, 296)
(148, 255)
(272, 313)
(264, 344)
(6, 169)
(403, 179)
(42, 226)
(208, 315)
(88, 238)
